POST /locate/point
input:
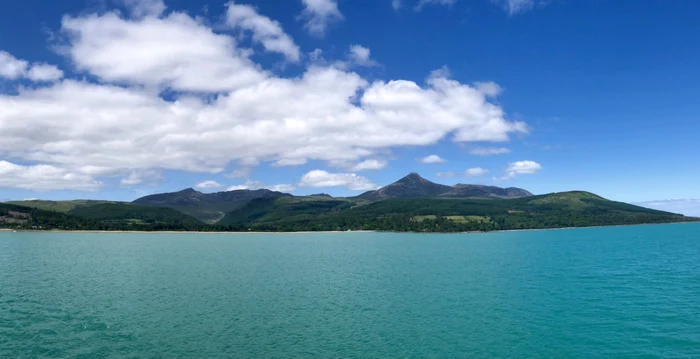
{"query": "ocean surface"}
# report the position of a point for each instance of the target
(616, 292)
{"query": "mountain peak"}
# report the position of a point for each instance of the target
(410, 186)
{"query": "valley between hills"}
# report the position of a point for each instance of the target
(411, 204)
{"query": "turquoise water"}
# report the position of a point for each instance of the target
(618, 292)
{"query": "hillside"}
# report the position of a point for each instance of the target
(103, 217)
(206, 207)
(570, 209)
(132, 215)
(58, 206)
(20, 217)
(415, 186)
(286, 209)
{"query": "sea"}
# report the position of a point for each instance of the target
(609, 292)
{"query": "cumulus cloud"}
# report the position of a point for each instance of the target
(177, 52)
(255, 185)
(476, 172)
(43, 177)
(265, 31)
(44, 72)
(12, 68)
(688, 207)
(520, 168)
(141, 8)
(360, 56)
(319, 14)
(490, 89)
(369, 165)
(208, 185)
(321, 178)
(218, 111)
(135, 177)
(432, 159)
(488, 151)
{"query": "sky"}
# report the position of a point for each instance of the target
(116, 99)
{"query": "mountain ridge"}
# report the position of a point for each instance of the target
(415, 186)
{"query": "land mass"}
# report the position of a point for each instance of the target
(412, 204)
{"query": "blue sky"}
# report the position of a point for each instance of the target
(121, 98)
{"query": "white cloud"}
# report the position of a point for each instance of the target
(360, 56)
(396, 4)
(319, 14)
(688, 207)
(369, 165)
(44, 72)
(432, 159)
(141, 8)
(176, 52)
(12, 67)
(488, 151)
(320, 178)
(516, 6)
(476, 172)
(289, 162)
(282, 188)
(265, 31)
(43, 177)
(324, 114)
(208, 185)
(422, 3)
(138, 177)
(520, 168)
(490, 89)
(255, 185)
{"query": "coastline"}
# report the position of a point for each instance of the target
(328, 232)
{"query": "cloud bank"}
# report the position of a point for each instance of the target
(162, 91)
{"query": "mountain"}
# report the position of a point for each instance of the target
(206, 207)
(443, 214)
(413, 186)
(481, 191)
(410, 186)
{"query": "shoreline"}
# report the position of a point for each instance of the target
(328, 232)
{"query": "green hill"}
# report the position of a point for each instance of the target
(103, 216)
(570, 209)
(58, 206)
(285, 209)
(206, 207)
(21, 217)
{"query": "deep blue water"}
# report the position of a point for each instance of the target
(616, 292)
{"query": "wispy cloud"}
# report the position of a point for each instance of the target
(319, 14)
(432, 159)
(515, 169)
(488, 151)
(688, 206)
(470, 172)
(513, 7)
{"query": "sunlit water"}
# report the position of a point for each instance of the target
(617, 292)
